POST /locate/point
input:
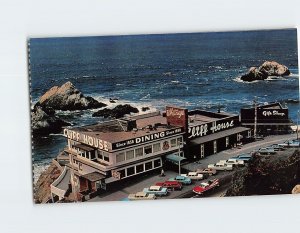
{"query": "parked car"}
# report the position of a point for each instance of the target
(170, 185)
(221, 166)
(208, 171)
(277, 147)
(290, 143)
(206, 186)
(141, 196)
(259, 137)
(243, 157)
(156, 190)
(235, 162)
(266, 151)
(247, 139)
(194, 176)
(181, 179)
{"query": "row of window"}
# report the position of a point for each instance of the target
(133, 170)
(149, 149)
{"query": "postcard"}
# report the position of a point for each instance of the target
(164, 116)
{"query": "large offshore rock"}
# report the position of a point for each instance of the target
(117, 112)
(43, 121)
(273, 68)
(254, 74)
(67, 97)
(268, 68)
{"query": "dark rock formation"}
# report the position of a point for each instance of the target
(254, 74)
(144, 109)
(43, 121)
(267, 175)
(42, 190)
(268, 68)
(67, 97)
(117, 112)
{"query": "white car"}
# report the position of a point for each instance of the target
(141, 196)
(235, 162)
(194, 176)
(221, 166)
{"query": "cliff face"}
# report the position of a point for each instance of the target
(267, 175)
(42, 191)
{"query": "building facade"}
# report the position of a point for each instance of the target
(271, 119)
(111, 151)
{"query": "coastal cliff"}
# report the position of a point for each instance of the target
(267, 175)
(42, 191)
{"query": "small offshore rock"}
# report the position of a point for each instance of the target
(117, 112)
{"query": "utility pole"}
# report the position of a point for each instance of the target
(255, 116)
(297, 124)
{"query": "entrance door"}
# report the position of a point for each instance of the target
(215, 146)
(202, 150)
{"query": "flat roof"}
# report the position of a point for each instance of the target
(221, 134)
(113, 131)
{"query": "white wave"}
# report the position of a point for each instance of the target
(239, 80)
(174, 81)
(56, 134)
(38, 168)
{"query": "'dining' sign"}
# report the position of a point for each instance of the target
(177, 116)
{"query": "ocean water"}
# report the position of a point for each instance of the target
(197, 70)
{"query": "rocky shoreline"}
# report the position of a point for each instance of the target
(267, 175)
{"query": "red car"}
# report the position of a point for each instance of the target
(206, 186)
(173, 185)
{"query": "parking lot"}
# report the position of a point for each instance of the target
(186, 192)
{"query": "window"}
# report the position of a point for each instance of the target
(120, 157)
(93, 155)
(227, 141)
(179, 141)
(148, 149)
(157, 163)
(148, 166)
(106, 156)
(129, 154)
(156, 147)
(215, 146)
(122, 173)
(202, 151)
(238, 137)
(139, 168)
(139, 152)
(173, 142)
(249, 133)
(103, 155)
(130, 171)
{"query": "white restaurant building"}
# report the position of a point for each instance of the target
(113, 150)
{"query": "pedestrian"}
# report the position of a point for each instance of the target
(162, 173)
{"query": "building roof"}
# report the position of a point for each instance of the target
(94, 176)
(84, 147)
(112, 131)
(221, 134)
(197, 117)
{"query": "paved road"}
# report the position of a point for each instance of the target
(186, 192)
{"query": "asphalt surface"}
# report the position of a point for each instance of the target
(186, 192)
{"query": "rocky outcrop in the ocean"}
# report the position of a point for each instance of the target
(43, 121)
(268, 68)
(117, 112)
(267, 175)
(296, 189)
(42, 188)
(68, 97)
